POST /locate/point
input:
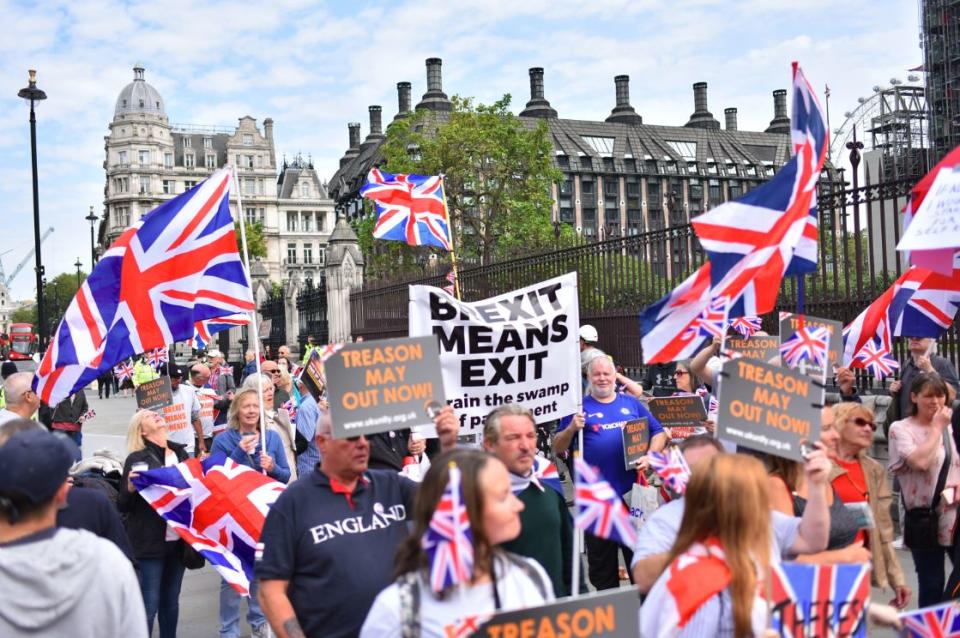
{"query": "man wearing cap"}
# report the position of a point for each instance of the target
(183, 415)
(22, 401)
(7, 368)
(56, 582)
(222, 383)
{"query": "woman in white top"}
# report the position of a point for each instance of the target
(501, 581)
(277, 420)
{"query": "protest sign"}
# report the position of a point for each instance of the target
(518, 347)
(636, 441)
(768, 408)
(790, 323)
(263, 330)
(378, 386)
(682, 414)
(609, 614)
(154, 395)
(757, 347)
(936, 222)
(819, 600)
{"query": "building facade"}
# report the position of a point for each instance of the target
(148, 161)
(940, 34)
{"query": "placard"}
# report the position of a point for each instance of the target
(610, 614)
(685, 410)
(378, 386)
(819, 600)
(263, 330)
(936, 222)
(155, 394)
(636, 441)
(757, 347)
(790, 323)
(517, 347)
(768, 408)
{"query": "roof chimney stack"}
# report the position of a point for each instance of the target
(623, 112)
(781, 121)
(403, 99)
(376, 126)
(538, 106)
(701, 117)
(730, 115)
(354, 149)
(435, 99)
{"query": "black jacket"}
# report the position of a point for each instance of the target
(146, 528)
(387, 450)
(67, 411)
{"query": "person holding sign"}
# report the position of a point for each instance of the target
(604, 413)
(500, 580)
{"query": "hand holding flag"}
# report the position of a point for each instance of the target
(807, 343)
(672, 468)
(599, 510)
(448, 540)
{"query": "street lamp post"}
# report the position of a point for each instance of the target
(78, 264)
(32, 94)
(92, 218)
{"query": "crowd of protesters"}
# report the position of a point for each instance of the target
(341, 547)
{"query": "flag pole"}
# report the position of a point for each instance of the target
(453, 252)
(253, 313)
(577, 532)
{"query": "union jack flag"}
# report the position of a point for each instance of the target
(669, 328)
(940, 621)
(217, 506)
(829, 601)
(410, 208)
(713, 320)
(599, 510)
(545, 472)
(176, 266)
(448, 540)
(877, 360)
(291, 408)
(672, 468)
(450, 278)
(227, 370)
(157, 357)
(812, 344)
(123, 371)
(746, 326)
(86, 416)
(713, 406)
(771, 231)
(203, 331)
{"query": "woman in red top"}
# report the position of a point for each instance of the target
(861, 482)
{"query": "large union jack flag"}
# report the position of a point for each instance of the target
(940, 621)
(410, 208)
(807, 343)
(599, 510)
(448, 540)
(670, 328)
(828, 601)
(771, 231)
(176, 266)
(217, 506)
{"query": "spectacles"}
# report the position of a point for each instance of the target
(860, 422)
(272, 371)
(680, 373)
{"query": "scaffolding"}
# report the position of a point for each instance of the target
(897, 128)
(940, 33)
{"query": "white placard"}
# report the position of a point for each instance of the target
(936, 223)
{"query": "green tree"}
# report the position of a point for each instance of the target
(497, 175)
(256, 244)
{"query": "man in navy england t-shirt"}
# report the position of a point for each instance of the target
(330, 539)
(604, 413)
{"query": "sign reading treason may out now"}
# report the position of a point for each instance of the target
(768, 408)
(378, 386)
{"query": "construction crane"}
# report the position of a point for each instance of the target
(16, 271)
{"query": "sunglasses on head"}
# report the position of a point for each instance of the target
(860, 422)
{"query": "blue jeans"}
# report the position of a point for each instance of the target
(930, 575)
(230, 610)
(160, 580)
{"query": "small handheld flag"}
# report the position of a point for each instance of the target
(746, 326)
(448, 540)
(599, 510)
(672, 468)
(123, 371)
(157, 357)
(713, 320)
(939, 621)
(807, 343)
(877, 360)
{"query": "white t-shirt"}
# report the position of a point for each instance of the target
(205, 397)
(180, 415)
(463, 607)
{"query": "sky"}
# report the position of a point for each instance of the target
(314, 66)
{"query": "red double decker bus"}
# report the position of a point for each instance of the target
(23, 342)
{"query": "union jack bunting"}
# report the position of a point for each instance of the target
(123, 371)
(670, 328)
(178, 265)
(448, 540)
(877, 360)
(672, 468)
(203, 331)
(410, 208)
(157, 357)
(940, 621)
(820, 600)
(598, 509)
(217, 506)
(771, 232)
(807, 343)
(746, 326)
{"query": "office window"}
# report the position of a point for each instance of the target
(634, 221)
(566, 211)
(292, 221)
(585, 163)
(714, 191)
(736, 190)
(589, 216)
(144, 158)
(304, 189)
(250, 215)
(633, 187)
(563, 161)
(308, 222)
(207, 142)
(259, 161)
(144, 184)
(630, 165)
(123, 159)
(586, 186)
(122, 216)
(247, 161)
(168, 160)
(211, 160)
(187, 142)
(291, 253)
(247, 139)
(566, 186)
(608, 164)
(169, 187)
(189, 160)
(611, 187)
(308, 253)
(121, 184)
(188, 184)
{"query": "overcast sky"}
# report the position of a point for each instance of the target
(314, 66)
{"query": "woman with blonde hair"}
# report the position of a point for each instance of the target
(859, 481)
(277, 420)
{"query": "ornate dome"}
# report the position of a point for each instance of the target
(139, 97)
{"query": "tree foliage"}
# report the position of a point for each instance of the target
(497, 176)
(256, 244)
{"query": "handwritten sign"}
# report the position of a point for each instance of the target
(636, 441)
(757, 347)
(820, 600)
(154, 395)
(378, 386)
(609, 614)
(768, 408)
(790, 323)
(936, 223)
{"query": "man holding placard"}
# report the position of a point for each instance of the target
(605, 412)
